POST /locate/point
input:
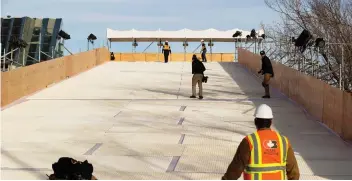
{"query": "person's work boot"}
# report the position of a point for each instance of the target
(200, 97)
(266, 97)
(193, 97)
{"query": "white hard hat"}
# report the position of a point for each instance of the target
(202, 40)
(264, 112)
(166, 41)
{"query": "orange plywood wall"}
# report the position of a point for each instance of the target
(174, 57)
(329, 104)
(24, 81)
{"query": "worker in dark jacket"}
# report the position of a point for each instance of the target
(203, 52)
(265, 154)
(267, 71)
(166, 51)
(198, 74)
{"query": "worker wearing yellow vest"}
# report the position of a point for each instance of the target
(265, 154)
(166, 51)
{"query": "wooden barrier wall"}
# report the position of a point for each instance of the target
(332, 106)
(24, 81)
(175, 57)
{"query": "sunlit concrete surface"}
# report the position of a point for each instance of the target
(136, 121)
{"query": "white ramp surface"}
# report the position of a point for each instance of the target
(136, 121)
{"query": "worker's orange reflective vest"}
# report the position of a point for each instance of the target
(166, 47)
(268, 156)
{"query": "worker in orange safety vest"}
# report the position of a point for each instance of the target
(265, 154)
(166, 51)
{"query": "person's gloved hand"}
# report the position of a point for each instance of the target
(260, 71)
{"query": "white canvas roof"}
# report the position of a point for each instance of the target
(176, 36)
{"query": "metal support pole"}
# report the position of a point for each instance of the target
(255, 46)
(184, 53)
(47, 55)
(11, 55)
(40, 44)
(66, 49)
(318, 62)
(340, 81)
(4, 59)
(235, 50)
(11, 59)
(24, 56)
(185, 50)
(148, 46)
(313, 63)
(87, 45)
(341, 68)
(211, 50)
(33, 58)
(197, 48)
(52, 51)
(159, 51)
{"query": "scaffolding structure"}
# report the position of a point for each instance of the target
(311, 61)
(9, 61)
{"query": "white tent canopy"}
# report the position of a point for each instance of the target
(177, 36)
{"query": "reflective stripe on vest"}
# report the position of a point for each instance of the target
(283, 151)
(256, 168)
(264, 169)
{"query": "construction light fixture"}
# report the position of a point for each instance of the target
(320, 42)
(64, 35)
(91, 38)
(253, 33)
(293, 39)
(210, 44)
(134, 43)
(160, 43)
(303, 38)
(185, 44)
(237, 34)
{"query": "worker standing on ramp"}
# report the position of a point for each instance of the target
(166, 51)
(268, 72)
(203, 51)
(198, 75)
(265, 154)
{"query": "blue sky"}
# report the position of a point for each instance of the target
(82, 17)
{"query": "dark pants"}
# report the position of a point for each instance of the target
(166, 56)
(204, 57)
